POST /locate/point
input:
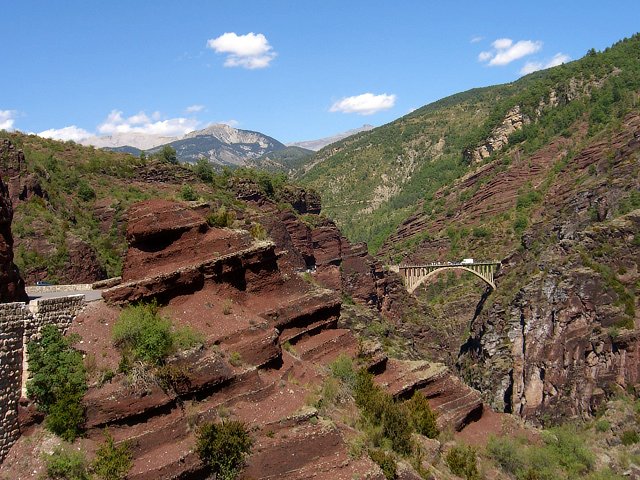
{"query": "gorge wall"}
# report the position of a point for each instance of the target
(561, 333)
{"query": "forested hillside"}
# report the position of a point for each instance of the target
(373, 181)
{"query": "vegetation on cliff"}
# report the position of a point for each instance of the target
(373, 181)
(76, 213)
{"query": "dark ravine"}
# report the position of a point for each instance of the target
(11, 283)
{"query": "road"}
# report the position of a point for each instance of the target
(89, 295)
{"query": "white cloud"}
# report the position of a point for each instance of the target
(502, 43)
(365, 104)
(141, 123)
(476, 39)
(249, 51)
(232, 123)
(7, 119)
(505, 51)
(484, 56)
(194, 108)
(558, 59)
(66, 133)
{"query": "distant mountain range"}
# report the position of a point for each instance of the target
(223, 145)
(316, 145)
(137, 141)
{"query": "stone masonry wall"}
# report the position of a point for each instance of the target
(19, 324)
(12, 321)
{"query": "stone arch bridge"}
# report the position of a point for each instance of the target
(416, 275)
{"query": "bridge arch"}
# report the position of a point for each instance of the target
(416, 275)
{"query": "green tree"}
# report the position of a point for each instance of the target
(58, 381)
(66, 464)
(422, 417)
(112, 461)
(168, 154)
(223, 447)
(204, 170)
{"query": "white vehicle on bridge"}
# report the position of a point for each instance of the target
(467, 260)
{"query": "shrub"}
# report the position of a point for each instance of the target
(385, 461)
(168, 154)
(85, 192)
(204, 170)
(422, 417)
(462, 461)
(58, 381)
(66, 415)
(112, 461)
(227, 307)
(221, 218)
(223, 447)
(173, 377)
(258, 232)
(507, 454)
(629, 437)
(481, 232)
(342, 369)
(187, 193)
(140, 332)
(567, 445)
(65, 464)
(602, 425)
(379, 408)
(235, 359)
(396, 427)
(520, 224)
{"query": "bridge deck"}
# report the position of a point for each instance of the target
(451, 264)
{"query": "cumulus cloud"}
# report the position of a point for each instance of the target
(194, 108)
(7, 119)
(365, 104)
(142, 123)
(505, 51)
(558, 59)
(251, 51)
(66, 133)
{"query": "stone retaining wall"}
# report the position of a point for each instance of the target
(19, 324)
(35, 289)
(12, 322)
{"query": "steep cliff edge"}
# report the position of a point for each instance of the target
(11, 284)
(564, 333)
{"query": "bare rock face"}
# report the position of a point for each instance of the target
(13, 168)
(11, 284)
(173, 251)
(319, 247)
(302, 200)
(513, 120)
(570, 335)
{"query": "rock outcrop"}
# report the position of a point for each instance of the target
(11, 284)
(172, 250)
(513, 120)
(316, 244)
(13, 168)
(561, 333)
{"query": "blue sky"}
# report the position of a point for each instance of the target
(304, 73)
